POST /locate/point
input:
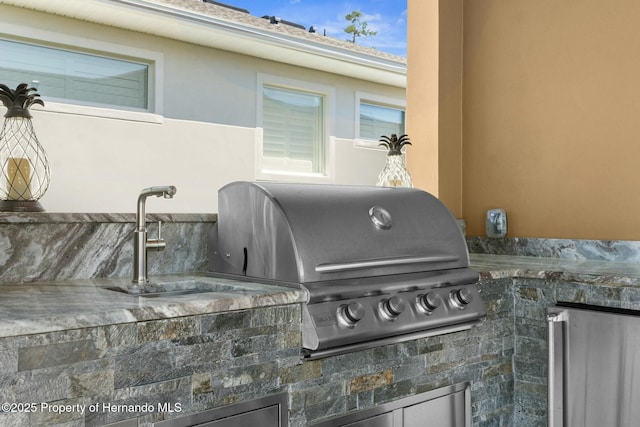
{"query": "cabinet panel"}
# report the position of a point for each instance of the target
(267, 417)
(446, 411)
(445, 407)
(382, 420)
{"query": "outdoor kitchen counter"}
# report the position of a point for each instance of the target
(57, 306)
(61, 305)
(546, 281)
(567, 270)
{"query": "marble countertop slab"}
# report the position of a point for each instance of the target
(56, 306)
(65, 218)
(62, 305)
(585, 271)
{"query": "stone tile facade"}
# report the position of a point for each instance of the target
(149, 370)
(194, 363)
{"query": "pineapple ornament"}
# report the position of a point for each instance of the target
(24, 169)
(394, 173)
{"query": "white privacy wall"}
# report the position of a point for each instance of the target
(100, 165)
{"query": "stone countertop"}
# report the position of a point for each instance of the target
(96, 218)
(72, 304)
(569, 270)
(46, 307)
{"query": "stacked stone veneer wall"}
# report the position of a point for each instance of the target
(531, 299)
(206, 361)
(187, 364)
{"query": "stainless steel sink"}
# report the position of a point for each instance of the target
(179, 287)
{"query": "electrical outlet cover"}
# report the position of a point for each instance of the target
(496, 224)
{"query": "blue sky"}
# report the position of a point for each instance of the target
(387, 17)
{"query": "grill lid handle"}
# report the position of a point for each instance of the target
(383, 262)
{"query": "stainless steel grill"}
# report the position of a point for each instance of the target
(379, 265)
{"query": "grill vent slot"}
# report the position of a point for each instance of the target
(245, 262)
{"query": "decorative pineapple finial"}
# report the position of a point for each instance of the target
(394, 173)
(19, 101)
(394, 144)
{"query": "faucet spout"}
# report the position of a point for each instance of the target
(167, 192)
(140, 242)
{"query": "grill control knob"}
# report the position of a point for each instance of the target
(428, 302)
(461, 297)
(392, 307)
(352, 313)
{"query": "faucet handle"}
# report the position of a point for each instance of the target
(159, 243)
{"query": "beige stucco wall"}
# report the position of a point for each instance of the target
(422, 94)
(550, 104)
(434, 99)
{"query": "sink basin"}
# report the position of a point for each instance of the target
(177, 287)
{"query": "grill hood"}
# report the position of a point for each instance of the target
(302, 233)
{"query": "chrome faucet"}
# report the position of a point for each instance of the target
(140, 242)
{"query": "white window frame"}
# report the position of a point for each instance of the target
(379, 100)
(328, 93)
(154, 59)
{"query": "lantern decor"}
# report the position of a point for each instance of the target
(394, 173)
(24, 169)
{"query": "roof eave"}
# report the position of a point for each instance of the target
(189, 26)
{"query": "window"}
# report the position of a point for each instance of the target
(377, 116)
(376, 120)
(292, 130)
(65, 75)
(295, 132)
